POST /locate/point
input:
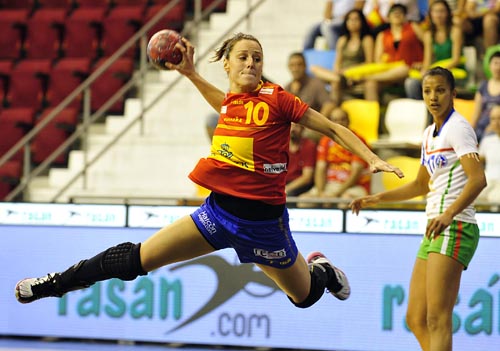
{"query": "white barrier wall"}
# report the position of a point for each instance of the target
(215, 300)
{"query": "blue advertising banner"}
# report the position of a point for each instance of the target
(215, 300)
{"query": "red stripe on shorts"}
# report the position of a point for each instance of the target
(457, 241)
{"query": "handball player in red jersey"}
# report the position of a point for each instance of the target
(246, 174)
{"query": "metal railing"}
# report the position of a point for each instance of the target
(138, 78)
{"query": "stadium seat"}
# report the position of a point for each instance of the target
(28, 84)
(59, 4)
(5, 69)
(44, 34)
(110, 82)
(10, 175)
(409, 166)
(405, 120)
(119, 26)
(65, 77)
(83, 29)
(174, 19)
(219, 8)
(364, 116)
(18, 4)
(53, 135)
(323, 58)
(14, 124)
(465, 107)
(93, 3)
(12, 27)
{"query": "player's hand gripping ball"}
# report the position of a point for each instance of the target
(161, 48)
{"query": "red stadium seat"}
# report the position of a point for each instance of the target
(44, 34)
(174, 19)
(18, 4)
(60, 4)
(119, 26)
(65, 77)
(109, 83)
(12, 25)
(93, 3)
(28, 81)
(82, 32)
(5, 69)
(14, 123)
(10, 175)
(219, 8)
(53, 135)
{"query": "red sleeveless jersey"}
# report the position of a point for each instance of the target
(249, 153)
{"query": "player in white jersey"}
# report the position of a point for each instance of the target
(452, 177)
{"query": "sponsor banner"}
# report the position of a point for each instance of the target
(63, 214)
(316, 220)
(301, 220)
(489, 223)
(386, 222)
(409, 222)
(156, 216)
(214, 300)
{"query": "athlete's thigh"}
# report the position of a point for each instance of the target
(443, 283)
(417, 300)
(176, 242)
(295, 280)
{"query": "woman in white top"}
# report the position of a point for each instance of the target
(451, 176)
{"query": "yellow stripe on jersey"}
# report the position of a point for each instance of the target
(236, 151)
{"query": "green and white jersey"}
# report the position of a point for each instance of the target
(441, 152)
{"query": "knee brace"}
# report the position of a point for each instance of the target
(319, 278)
(122, 261)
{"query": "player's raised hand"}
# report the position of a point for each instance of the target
(186, 66)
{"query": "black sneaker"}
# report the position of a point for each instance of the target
(317, 258)
(31, 289)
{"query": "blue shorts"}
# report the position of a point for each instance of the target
(266, 242)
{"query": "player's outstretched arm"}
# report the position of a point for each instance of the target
(316, 121)
(419, 186)
(186, 67)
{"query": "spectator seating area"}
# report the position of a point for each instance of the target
(48, 48)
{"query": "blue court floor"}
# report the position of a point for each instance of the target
(25, 344)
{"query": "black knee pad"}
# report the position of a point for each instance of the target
(123, 261)
(317, 289)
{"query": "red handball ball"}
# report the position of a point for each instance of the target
(161, 48)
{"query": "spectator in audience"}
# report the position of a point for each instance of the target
(487, 95)
(309, 89)
(443, 44)
(482, 18)
(301, 162)
(489, 154)
(457, 8)
(330, 27)
(355, 47)
(397, 49)
(339, 173)
(377, 12)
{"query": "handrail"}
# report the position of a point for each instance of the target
(83, 129)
